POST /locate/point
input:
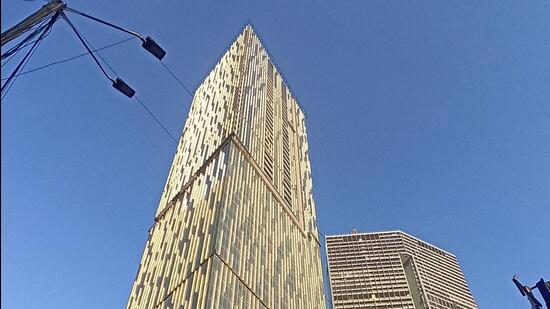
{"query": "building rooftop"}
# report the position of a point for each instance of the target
(355, 233)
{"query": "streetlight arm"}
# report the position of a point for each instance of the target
(147, 42)
(86, 45)
(105, 23)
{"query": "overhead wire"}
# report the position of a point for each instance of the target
(73, 58)
(12, 78)
(14, 51)
(15, 54)
(23, 43)
(83, 41)
(156, 119)
(176, 78)
(18, 50)
(9, 84)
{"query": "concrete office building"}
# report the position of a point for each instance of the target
(236, 225)
(394, 270)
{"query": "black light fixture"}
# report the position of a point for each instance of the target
(123, 87)
(151, 46)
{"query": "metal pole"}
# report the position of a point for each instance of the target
(13, 74)
(29, 22)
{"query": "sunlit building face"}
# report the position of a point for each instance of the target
(394, 270)
(236, 224)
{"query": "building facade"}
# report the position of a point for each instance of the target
(236, 226)
(394, 270)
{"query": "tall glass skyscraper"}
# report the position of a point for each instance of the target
(394, 270)
(236, 226)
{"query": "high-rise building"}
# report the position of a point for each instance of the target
(236, 226)
(394, 270)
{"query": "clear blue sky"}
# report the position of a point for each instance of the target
(432, 117)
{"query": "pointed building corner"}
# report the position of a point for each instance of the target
(233, 223)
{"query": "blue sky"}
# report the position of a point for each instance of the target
(432, 117)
